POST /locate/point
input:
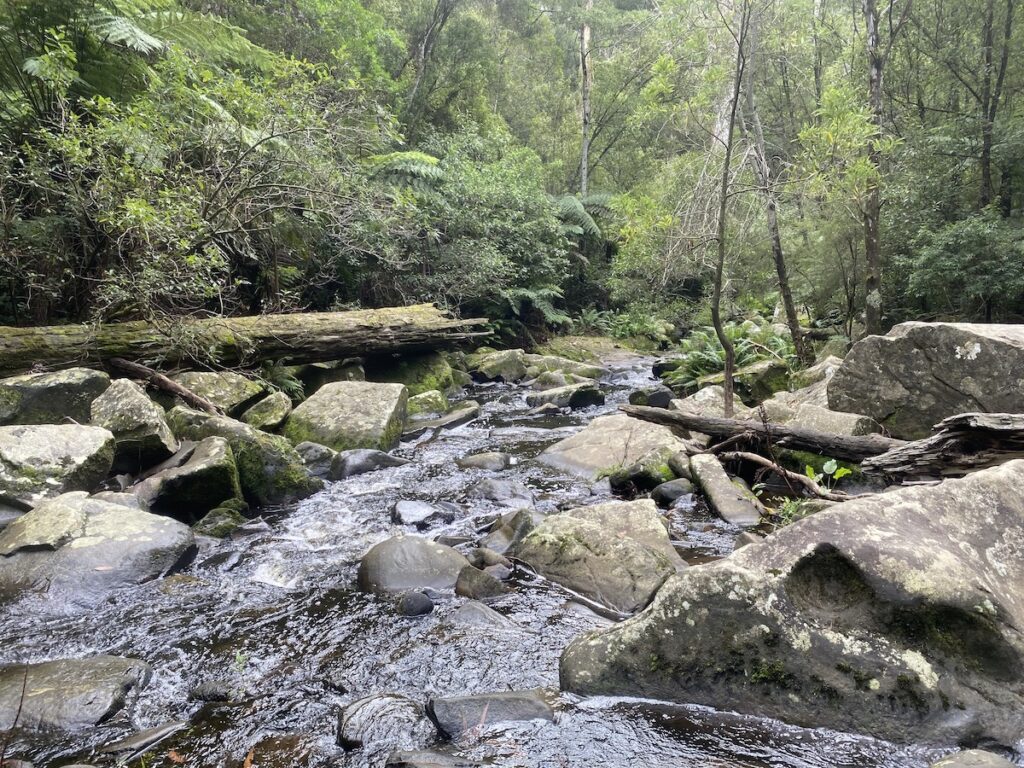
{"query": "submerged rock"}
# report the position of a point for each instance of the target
(51, 398)
(83, 548)
(141, 433)
(351, 414)
(506, 493)
(616, 553)
(457, 714)
(478, 585)
(920, 373)
(418, 513)
(414, 603)
(609, 443)
(409, 562)
(269, 469)
(45, 460)
(430, 758)
(973, 758)
(68, 694)
(896, 615)
(384, 719)
(362, 460)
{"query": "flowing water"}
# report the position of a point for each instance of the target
(272, 613)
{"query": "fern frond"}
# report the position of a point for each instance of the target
(570, 211)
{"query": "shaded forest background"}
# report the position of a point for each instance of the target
(553, 166)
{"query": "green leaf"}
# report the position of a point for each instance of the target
(842, 472)
(830, 467)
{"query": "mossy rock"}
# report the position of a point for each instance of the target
(51, 398)
(431, 403)
(223, 520)
(351, 414)
(419, 372)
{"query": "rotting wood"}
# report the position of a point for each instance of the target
(961, 444)
(846, 447)
(236, 341)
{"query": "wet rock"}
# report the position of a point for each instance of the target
(141, 433)
(143, 740)
(316, 457)
(565, 366)
(231, 392)
(418, 513)
(457, 714)
(653, 397)
(547, 409)
(413, 603)
(570, 396)
(347, 415)
(207, 479)
(362, 460)
(51, 398)
(419, 372)
(549, 380)
(45, 460)
(482, 557)
(732, 502)
(409, 562)
(510, 528)
(85, 548)
(211, 691)
(973, 758)
(616, 553)
(456, 416)
(507, 365)
(894, 615)
(475, 614)
(478, 585)
(666, 494)
(426, 759)
(607, 443)
(505, 493)
(269, 469)
(384, 719)
(495, 461)
(222, 520)
(69, 694)
(428, 405)
(269, 413)
(646, 474)
(920, 373)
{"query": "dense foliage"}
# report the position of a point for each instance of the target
(169, 157)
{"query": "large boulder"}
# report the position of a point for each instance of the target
(269, 413)
(141, 433)
(269, 469)
(507, 365)
(420, 372)
(920, 373)
(45, 460)
(428, 405)
(205, 479)
(351, 414)
(50, 398)
(83, 548)
(68, 694)
(409, 562)
(753, 383)
(609, 443)
(229, 391)
(617, 553)
(896, 615)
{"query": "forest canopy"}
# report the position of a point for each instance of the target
(597, 165)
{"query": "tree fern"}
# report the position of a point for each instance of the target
(541, 299)
(575, 218)
(407, 169)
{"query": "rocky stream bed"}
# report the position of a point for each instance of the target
(259, 644)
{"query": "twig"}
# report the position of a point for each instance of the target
(786, 474)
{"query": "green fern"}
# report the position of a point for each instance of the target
(575, 218)
(407, 169)
(541, 299)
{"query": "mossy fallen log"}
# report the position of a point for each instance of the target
(235, 341)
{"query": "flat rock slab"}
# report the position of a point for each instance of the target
(608, 443)
(731, 502)
(69, 694)
(459, 414)
(82, 548)
(896, 615)
(920, 373)
(228, 390)
(458, 714)
(51, 398)
(46, 460)
(351, 414)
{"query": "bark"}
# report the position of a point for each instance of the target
(961, 444)
(836, 446)
(235, 341)
(873, 204)
(586, 85)
(993, 76)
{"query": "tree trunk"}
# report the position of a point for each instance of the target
(836, 446)
(235, 341)
(873, 205)
(586, 85)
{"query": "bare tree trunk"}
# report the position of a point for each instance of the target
(723, 210)
(586, 85)
(766, 182)
(873, 205)
(991, 91)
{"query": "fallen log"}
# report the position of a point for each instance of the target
(848, 448)
(961, 444)
(235, 341)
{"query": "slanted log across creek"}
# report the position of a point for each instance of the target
(297, 338)
(846, 447)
